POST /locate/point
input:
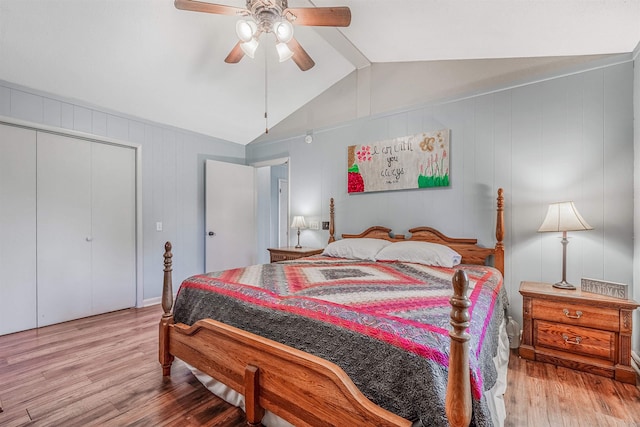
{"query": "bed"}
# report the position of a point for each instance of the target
(292, 351)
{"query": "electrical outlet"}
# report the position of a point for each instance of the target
(314, 225)
(325, 225)
(158, 226)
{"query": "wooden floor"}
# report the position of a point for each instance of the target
(75, 374)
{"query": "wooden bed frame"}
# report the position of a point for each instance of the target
(304, 389)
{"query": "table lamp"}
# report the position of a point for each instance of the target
(563, 216)
(298, 222)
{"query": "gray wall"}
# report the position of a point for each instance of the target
(172, 173)
(565, 138)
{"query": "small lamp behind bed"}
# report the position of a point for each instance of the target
(298, 222)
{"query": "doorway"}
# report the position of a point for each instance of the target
(283, 212)
(273, 206)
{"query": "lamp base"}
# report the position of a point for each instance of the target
(297, 246)
(564, 285)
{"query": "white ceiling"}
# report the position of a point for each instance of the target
(147, 59)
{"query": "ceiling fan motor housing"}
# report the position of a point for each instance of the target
(266, 12)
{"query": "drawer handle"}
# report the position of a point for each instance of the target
(576, 340)
(577, 316)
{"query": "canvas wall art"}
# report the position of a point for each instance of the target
(414, 161)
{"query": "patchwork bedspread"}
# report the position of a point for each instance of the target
(385, 324)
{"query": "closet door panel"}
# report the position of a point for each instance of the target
(113, 223)
(64, 228)
(17, 229)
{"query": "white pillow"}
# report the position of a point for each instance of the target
(421, 253)
(360, 248)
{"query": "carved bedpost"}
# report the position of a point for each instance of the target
(167, 317)
(332, 237)
(458, 399)
(167, 283)
(499, 251)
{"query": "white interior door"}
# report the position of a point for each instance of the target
(113, 270)
(283, 213)
(230, 216)
(17, 229)
(86, 259)
(64, 228)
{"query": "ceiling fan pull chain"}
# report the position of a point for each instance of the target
(266, 81)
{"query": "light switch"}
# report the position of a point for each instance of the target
(158, 226)
(314, 225)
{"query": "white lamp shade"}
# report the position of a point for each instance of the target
(249, 48)
(298, 222)
(245, 30)
(283, 31)
(284, 52)
(563, 216)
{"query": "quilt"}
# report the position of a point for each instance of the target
(386, 324)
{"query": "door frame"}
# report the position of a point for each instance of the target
(275, 162)
(138, 184)
(280, 213)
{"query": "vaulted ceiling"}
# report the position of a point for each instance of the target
(147, 59)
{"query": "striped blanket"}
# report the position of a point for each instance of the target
(384, 323)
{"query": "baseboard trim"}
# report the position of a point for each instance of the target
(153, 301)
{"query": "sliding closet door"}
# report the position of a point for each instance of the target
(64, 228)
(17, 229)
(113, 274)
(86, 228)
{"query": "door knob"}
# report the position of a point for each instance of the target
(211, 234)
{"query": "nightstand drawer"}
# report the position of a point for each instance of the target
(575, 339)
(576, 314)
(283, 257)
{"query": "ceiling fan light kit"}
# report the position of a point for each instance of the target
(249, 47)
(245, 30)
(283, 31)
(284, 52)
(272, 16)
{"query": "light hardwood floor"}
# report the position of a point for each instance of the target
(77, 374)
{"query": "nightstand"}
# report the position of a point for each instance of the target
(578, 330)
(290, 252)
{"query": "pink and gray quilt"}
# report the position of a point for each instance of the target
(386, 324)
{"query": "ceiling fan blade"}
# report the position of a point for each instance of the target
(300, 56)
(235, 55)
(199, 6)
(319, 16)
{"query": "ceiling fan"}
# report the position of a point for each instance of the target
(272, 16)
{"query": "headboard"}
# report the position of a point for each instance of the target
(468, 248)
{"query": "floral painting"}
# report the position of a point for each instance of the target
(415, 161)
